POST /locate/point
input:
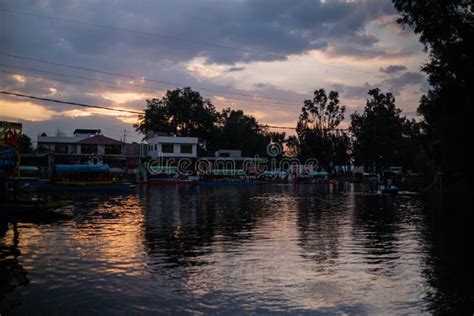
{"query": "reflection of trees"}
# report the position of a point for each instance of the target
(449, 264)
(376, 224)
(12, 273)
(318, 223)
(182, 222)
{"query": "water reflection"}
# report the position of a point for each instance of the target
(449, 264)
(12, 273)
(271, 248)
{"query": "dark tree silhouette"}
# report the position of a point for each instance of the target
(26, 146)
(381, 136)
(317, 129)
(446, 29)
(181, 112)
(236, 130)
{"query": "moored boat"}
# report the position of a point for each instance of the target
(85, 178)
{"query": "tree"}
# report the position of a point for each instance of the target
(26, 146)
(381, 136)
(446, 29)
(236, 130)
(181, 112)
(317, 129)
(293, 146)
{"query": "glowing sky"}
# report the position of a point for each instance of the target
(262, 56)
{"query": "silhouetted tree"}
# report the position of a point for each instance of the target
(236, 130)
(26, 146)
(381, 136)
(293, 146)
(182, 112)
(446, 29)
(317, 129)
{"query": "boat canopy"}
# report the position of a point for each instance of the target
(82, 168)
(163, 169)
(318, 174)
(29, 169)
(117, 170)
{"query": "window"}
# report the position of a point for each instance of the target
(167, 148)
(156, 147)
(186, 149)
(88, 149)
(113, 149)
(60, 149)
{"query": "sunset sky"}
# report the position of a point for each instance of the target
(262, 56)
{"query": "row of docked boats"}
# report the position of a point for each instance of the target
(100, 177)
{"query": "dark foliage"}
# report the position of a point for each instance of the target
(446, 30)
(381, 137)
(318, 130)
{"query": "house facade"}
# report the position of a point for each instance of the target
(172, 147)
(83, 142)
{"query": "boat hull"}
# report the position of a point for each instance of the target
(86, 187)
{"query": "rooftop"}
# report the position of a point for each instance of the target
(100, 140)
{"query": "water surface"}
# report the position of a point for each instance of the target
(269, 248)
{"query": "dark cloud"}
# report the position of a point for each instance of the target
(173, 33)
(234, 69)
(392, 69)
(260, 30)
(394, 85)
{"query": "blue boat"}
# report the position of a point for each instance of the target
(85, 178)
(389, 189)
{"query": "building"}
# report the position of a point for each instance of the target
(172, 147)
(229, 153)
(83, 142)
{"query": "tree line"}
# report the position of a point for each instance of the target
(380, 135)
(376, 138)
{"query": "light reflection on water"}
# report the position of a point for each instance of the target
(263, 249)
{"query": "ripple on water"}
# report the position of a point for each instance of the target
(261, 249)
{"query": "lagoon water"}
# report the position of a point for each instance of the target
(268, 249)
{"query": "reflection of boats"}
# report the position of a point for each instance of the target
(227, 183)
(85, 178)
(389, 189)
(226, 177)
(167, 175)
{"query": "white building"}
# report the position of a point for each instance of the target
(172, 146)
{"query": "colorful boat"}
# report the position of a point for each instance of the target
(85, 178)
(225, 178)
(167, 175)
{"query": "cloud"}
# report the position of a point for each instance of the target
(258, 30)
(394, 85)
(392, 69)
(281, 49)
(234, 69)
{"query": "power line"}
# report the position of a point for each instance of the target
(103, 107)
(174, 38)
(148, 88)
(175, 84)
(69, 103)
(126, 111)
